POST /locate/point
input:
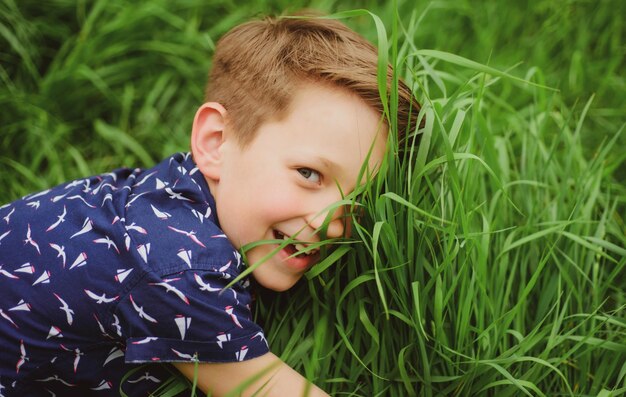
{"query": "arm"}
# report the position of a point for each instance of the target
(273, 378)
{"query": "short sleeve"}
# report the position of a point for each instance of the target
(188, 316)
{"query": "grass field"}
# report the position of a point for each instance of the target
(491, 262)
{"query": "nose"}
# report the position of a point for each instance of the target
(330, 221)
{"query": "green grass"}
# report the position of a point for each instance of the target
(491, 261)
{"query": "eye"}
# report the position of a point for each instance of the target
(310, 175)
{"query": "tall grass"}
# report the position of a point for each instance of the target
(490, 259)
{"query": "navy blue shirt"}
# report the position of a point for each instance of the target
(101, 274)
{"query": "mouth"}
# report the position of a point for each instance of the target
(297, 250)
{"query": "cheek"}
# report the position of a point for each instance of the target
(280, 204)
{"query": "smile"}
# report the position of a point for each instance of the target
(303, 249)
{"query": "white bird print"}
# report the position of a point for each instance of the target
(43, 279)
(69, 313)
(221, 338)
(204, 286)
(21, 306)
(135, 197)
(81, 260)
(81, 198)
(55, 377)
(74, 183)
(7, 274)
(104, 385)
(238, 257)
(87, 227)
(160, 184)
(144, 250)
(173, 195)
(136, 228)
(160, 214)
(23, 358)
(86, 185)
(34, 204)
(144, 179)
(38, 194)
(8, 216)
(189, 357)
(145, 340)
(185, 255)
(100, 298)
(169, 287)
(234, 294)
(101, 186)
(3, 235)
(241, 354)
(229, 310)
(29, 240)
(260, 335)
(77, 352)
(60, 219)
(116, 324)
(59, 197)
(122, 274)
(127, 241)
(183, 324)
(106, 240)
(113, 354)
(225, 267)
(60, 252)
(200, 215)
(208, 211)
(146, 376)
(77, 358)
(54, 331)
(191, 235)
(25, 268)
(111, 175)
(182, 170)
(102, 330)
(6, 316)
(140, 311)
(107, 196)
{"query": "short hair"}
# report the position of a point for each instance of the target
(258, 65)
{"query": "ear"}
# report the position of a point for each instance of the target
(207, 136)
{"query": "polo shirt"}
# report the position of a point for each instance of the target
(102, 275)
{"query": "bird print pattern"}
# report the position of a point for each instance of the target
(103, 275)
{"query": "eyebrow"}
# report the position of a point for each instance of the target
(327, 163)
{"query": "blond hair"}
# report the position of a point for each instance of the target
(258, 65)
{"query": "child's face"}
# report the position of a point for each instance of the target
(281, 183)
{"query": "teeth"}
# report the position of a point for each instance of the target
(297, 246)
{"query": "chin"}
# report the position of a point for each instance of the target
(278, 284)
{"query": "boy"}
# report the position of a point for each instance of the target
(101, 274)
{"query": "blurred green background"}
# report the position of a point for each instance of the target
(88, 82)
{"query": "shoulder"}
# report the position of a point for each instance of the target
(171, 219)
